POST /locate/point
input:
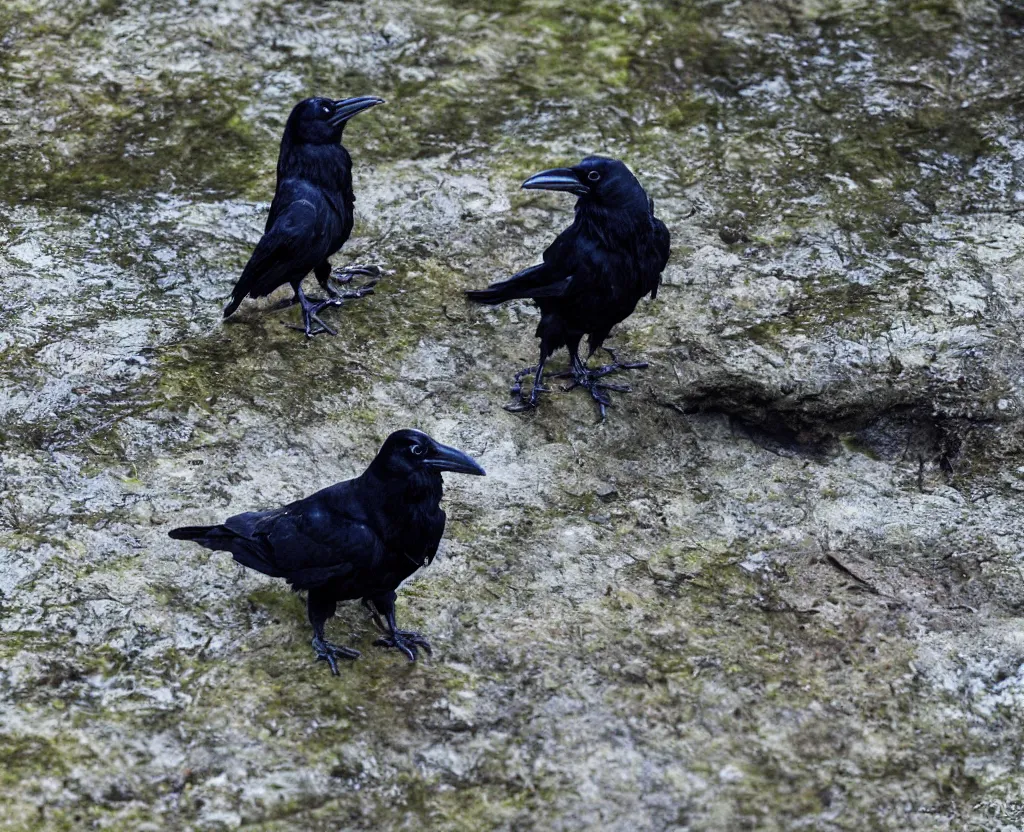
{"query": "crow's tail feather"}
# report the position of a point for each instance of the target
(513, 289)
(222, 539)
(190, 532)
(233, 304)
(488, 296)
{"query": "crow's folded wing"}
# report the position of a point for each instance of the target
(296, 240)
(309, 543)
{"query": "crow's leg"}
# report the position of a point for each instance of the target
(521, 403)
(394, 639)
(336, 297)
(378, 622)
(287, 303)
(583, 376)
(310, 316)
(321, 607)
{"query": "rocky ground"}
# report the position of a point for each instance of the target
(779, 588)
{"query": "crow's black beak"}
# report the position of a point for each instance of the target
(348, 107)
(557, 179)
(445, 458)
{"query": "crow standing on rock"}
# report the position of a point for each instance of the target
(358, 539)
(593, 274)
(311, 215)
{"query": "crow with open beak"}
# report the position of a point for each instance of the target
(358, 539)
(311, 215)
(593, 274)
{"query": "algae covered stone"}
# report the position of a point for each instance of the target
(803, 607)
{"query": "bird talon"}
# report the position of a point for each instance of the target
(309, 332)
(396, 642)
(337, 298)
(412, 637)
(588, 378)
(330, 653)
(331, 662)
(325, 327)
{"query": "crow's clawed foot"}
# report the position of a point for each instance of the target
(310, 314)
(617, 365)
(339, 297)
(524, 403)
(394, 639)
(407, 641)
(330, 653)
(346, 275)
(583, 376)
(521, 405)
(598, 389)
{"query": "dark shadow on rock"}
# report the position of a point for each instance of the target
(906, 416)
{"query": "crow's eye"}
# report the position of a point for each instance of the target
(593, 176)
(418, 450)
(326, 109)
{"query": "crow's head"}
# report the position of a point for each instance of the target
(407, 453)
(322, 120)
(595, 179)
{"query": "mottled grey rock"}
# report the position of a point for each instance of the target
(803, 608)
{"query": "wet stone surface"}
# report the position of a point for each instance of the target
(780, 588)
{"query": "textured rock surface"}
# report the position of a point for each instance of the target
(779, 589)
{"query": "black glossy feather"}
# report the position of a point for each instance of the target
(595, 271)
(312, 213)
(357, 539)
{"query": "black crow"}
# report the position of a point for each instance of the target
(358, 539)
(593, 274)
(311, 215)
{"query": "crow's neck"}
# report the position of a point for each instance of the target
(614, 227)
(328, 166)
(402, 499)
